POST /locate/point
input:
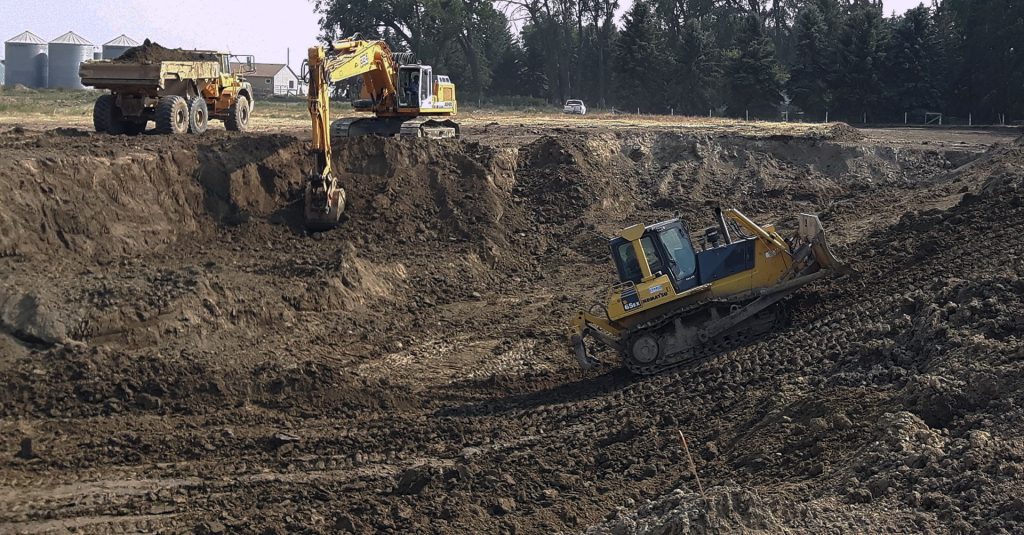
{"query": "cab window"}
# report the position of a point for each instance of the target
(682, 259)
(625, 260)
(651, 252)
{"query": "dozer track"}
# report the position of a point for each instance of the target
(746, 331)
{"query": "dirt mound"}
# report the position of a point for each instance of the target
(150, 52)
(567, 177)
(70, 193)
(843, 132)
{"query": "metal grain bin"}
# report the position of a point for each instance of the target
(67, 52)
(2, 69)
(117, 46)
(26, 60)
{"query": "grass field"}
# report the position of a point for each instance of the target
(51, 108)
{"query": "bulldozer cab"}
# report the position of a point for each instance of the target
(665, 248)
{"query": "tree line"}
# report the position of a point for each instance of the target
(846, 58)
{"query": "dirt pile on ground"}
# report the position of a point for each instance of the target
(151, 52)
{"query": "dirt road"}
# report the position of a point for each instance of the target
(179, 355)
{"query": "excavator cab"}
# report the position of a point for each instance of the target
(414, 84)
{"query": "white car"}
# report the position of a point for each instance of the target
(574, 107)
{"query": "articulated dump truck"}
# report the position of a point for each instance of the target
(179, 96)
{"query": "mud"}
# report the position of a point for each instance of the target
(181, 356)
(151, 52)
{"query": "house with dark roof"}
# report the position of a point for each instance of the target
(271, 79)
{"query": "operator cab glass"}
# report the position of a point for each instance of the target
(410, 84)
(668, 251)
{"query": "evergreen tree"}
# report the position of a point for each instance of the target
(861, 57)
(698, 77)
(641, 64)
(911, 83)
(755, 77)
(812, 65)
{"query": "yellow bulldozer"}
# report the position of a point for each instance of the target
(409, 100)
(679, 300)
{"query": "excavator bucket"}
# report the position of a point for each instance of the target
(812, 232)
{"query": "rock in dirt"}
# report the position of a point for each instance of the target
(505, 506)
(26, 451)
(280, 439)
(210, 528)
(414, 480)
(148, 402)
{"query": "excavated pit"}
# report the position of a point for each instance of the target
(182, 355)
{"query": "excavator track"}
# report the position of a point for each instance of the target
(394, 126)
(752, 328)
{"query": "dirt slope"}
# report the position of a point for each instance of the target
(180, 356)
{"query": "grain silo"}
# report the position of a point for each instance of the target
(3, 67)
(117, 46)
(67, 52)
(25, 55)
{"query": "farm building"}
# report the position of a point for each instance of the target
(271, 79)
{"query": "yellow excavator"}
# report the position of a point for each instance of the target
(409, 100)
(680, 300)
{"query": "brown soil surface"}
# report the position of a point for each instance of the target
(179, 356)
(150, 52)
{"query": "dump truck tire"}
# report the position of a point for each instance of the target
(106, 117)
(198, 115)
(238, 115)
(172, 115)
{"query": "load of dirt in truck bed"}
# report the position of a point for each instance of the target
(214, 368)
(150, 52)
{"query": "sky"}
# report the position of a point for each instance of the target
(265, 29)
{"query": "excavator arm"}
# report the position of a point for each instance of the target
(325, 199)
(373, 60)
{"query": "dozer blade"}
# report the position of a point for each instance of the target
(811, 231)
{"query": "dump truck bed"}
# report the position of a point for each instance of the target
(110, 75)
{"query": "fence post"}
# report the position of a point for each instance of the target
(826, 116)
(748, 115)
(970, 119)
(709, 113)
(672, 111)
(865, 119)
(638, 110)
(904, 117)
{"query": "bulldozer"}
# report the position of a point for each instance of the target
(409, 100)
(681, 299)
